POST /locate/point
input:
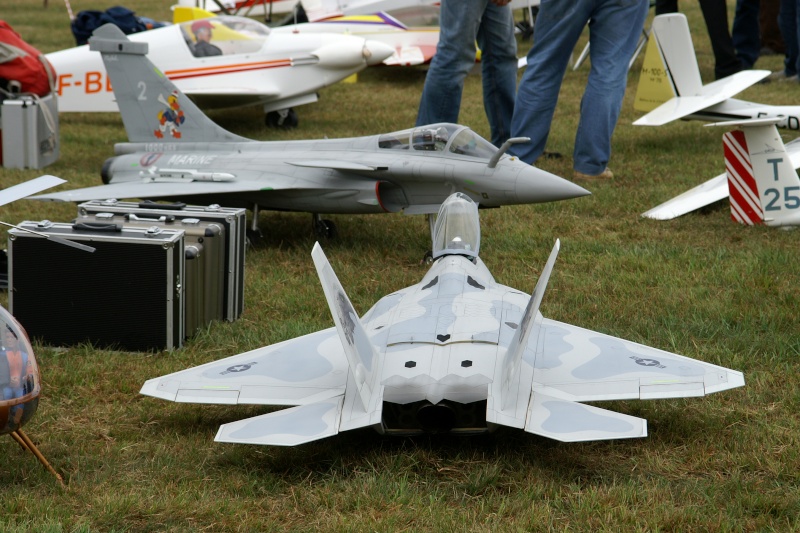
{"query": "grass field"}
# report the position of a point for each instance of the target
(700, 285)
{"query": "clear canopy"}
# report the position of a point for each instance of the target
(226, 35)
(19, 375)
(439, 138)
(457, 229)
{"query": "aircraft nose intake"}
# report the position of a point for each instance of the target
(375, 52)
(536, 185)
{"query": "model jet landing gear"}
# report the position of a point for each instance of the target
(283, 118)
(323, 228)
(254, 235)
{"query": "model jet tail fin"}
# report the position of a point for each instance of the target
(152, 108)
(762, 182)
(361, 356)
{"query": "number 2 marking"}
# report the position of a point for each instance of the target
(142, 89)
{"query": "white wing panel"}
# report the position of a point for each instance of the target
(288, 427)
(704, 194)
(293, 372)
(587, 365)
(575, 422)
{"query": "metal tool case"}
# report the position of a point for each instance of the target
(30, 131)
(126, 295)
(232, 219)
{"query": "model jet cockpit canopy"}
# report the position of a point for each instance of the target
(19, 375)
(229, 34)
(457, 229)
(443, 137)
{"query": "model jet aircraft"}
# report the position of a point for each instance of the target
(175, 151)
(458, 352)
(759, 178)
(671, 87)
(225, 62)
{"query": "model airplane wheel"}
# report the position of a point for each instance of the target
(427, 259)
(284, 118)
(325, 229)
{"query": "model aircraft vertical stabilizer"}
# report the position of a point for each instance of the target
(145, 96)
(361, 357)
(762, 182)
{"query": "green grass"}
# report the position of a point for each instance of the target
(700, 285)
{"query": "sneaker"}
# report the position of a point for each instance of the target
(604, 175)
(781, 75)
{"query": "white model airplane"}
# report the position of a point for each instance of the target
(458, 352)
(759, 179)
(670, 86)
(225, 62)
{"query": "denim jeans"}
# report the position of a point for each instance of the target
(463, 22)
(614, 30)
(787, 20)
(746, 33)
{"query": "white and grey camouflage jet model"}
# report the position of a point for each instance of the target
(458, 352)
(175, 151)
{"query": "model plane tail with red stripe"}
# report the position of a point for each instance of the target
(762, 182)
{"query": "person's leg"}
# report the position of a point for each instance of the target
(787, 20)
(558, 26)
(613, 34)
(770, 31)
(715, 13)
(455, 56)
(745, 35)
(499, 69)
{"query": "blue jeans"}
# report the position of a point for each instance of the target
(614, 30)
(788, 23)
(463, 22)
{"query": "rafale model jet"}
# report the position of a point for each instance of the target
(760, 178)
(458, 352)
(175, 151)
(670, 87)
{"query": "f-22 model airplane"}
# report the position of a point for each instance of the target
(670, 86)
(175, 151)
(458, 352)
(760, 178)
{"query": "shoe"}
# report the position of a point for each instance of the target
(604, 175)
(780, 75)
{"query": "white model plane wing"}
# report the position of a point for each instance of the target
(299, 371)
(568, 421)
(583, 365)
(21, 190)
(289, 427)
(711, 94)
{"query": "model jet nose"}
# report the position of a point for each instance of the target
(376, 52)
(536, 185)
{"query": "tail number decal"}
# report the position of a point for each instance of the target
(791, 198)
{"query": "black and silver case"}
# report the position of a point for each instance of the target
(126, 295)
(232, 219)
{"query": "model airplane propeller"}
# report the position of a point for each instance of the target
(457, 352)
(670, 86)
(176, 152)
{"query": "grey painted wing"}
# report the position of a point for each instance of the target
(575, 422)
(288, 427)
(583, 365)
(295, 372)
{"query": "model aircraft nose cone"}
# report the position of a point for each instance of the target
(537, 185)
(376, 52)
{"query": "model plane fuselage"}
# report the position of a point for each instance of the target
(255, 65)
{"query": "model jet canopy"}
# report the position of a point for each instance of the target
(457, 229)
(454, 138)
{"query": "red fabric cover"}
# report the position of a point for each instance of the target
(29, 69)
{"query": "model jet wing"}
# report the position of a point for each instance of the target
(142, 189)
(568, 421)
(707, 193)
(21, 190)
(583, 365)
(289, 427)
(299, 371)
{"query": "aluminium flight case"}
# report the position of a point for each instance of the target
(125, 295)
(233, 219)
(205, 261)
